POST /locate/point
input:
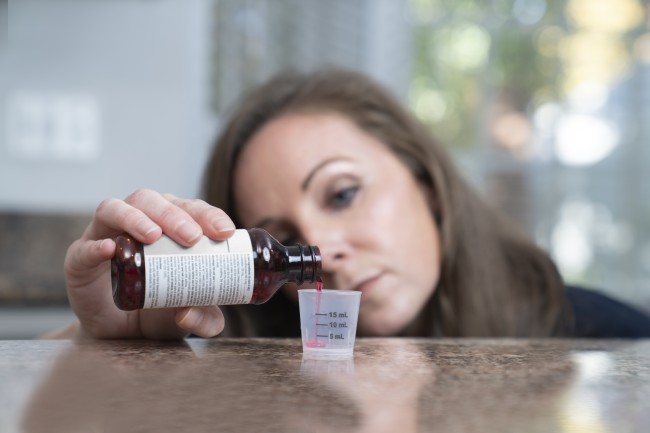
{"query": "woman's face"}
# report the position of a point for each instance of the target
(319, 179)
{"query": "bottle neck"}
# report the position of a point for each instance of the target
(304, 263)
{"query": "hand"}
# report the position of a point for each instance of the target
(145, 215)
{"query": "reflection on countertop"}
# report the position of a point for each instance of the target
(405, 385)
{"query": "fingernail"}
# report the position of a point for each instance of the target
(226, 229)
(145, 228)
(188, 231)
(223, 225)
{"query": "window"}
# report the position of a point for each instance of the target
(545, 105)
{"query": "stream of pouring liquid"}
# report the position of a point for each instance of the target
(314, 342)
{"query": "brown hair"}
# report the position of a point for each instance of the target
(494, 281)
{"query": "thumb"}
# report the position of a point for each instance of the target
(85, 258)
(201, 321)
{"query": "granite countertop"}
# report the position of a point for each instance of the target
(265, 385)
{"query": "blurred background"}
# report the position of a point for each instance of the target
(545, 105)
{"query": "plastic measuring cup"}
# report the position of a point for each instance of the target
(328, 322)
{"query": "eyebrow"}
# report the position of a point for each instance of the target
(310, 176)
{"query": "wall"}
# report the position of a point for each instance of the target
(104, 97)
(98, 98)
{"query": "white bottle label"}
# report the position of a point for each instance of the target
(208, 273)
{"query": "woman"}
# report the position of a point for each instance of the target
(331, 159)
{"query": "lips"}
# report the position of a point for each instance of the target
(365, 286)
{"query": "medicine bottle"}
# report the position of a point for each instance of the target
(247, 268)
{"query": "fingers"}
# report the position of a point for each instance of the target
(146, 214)
(174, 221)
(160, 324)
(201, 321)
(215, 223)
(114, 216)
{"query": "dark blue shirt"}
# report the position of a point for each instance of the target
(594, 314)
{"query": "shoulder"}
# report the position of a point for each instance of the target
(594, 314)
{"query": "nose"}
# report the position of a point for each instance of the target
(332, 260)
(332, 244)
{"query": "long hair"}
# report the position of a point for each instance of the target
(494, 281)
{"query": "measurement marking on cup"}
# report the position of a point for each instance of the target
(334, 314)
(338, 325)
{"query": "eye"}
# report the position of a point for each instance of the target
(342, 198)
